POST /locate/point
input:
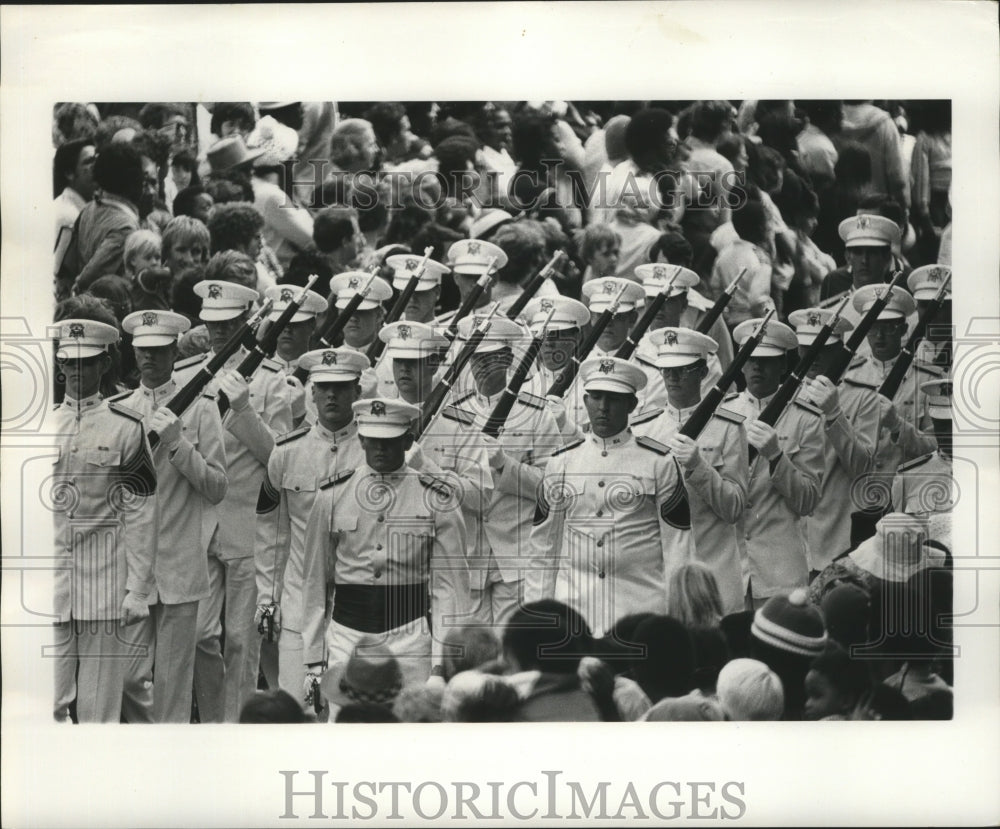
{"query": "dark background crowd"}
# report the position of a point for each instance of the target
(153, 198)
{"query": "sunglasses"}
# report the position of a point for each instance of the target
(681, 371)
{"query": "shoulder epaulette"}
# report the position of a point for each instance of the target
(904, 467)
(270, 365)
(652, 445)
(463, 398)
(462, 416)
(532, 400)
(292, 435)
(189, 361)
(809, 407)
(567, 447)
(209, 394)
(333, 480)
(860, 383)
(120, 396)
(731, 396)
(929, 368)
(439, 485)
(646, 415)
(731, 416)
(124, 411)
(858, 361)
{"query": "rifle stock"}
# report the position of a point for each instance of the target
(627, 348)
(399, 306)
(471, 299)
(532, 287)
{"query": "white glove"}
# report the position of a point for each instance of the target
(415, 457)
(134, 608)
(823, 393)
(435, 681)
(685, 450)
(889, 417)
(763, 438)
(168, 426)
(497, 457)
(236, 389)
(557, 409)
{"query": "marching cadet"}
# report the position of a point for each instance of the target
(685, 307)
(385, 537)
(425, 297)
(420, 308)
(901, 433)
(191, 478)
(450, 443)
(784, 477)
(562, 338)
(469, 259)
(363, 326)
(851, 417)
(712, 469)
(599, 542)
(600, 293)
(300, 462)
(869, 240)
(258, 411)
(530, 435)
(935, 348)
(104, 508)
(927, 484)
(293, 341)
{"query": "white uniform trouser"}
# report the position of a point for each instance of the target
(223, 684)
(291, 668)
(410, 644)
(176, 640)
(92, 660)
(497, 600)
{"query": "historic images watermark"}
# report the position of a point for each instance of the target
(311, 795)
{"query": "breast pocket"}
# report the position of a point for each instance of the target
(302, 483)
(712, 454)
(628, 494)
(789, 445)
(412, 544)
(102, 458)
(346, 523)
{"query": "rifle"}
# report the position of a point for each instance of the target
(716, 310)
(266, 345)
(677, 510)
(336, 326)
(835, 371)
(903, 362)
(378, 346)
(627, 348)
(532, 287)
(471, 299)
(435, 399)
(568, 374)
(786, 391)
(185, 396)
(501, 411)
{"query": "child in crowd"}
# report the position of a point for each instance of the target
(834, 685)
(599, 249)
(150, 283)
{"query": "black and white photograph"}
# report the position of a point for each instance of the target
(522, 378)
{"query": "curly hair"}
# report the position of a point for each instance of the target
(233, 226)
(347, 142)
(232, 266)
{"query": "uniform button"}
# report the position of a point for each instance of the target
(600, 543)
(378, 574)
(604, 454)
(600, 575)
(381, 518)
(75, 450)
(600, 483)
(296, 489)
(378, 546)
(878, 464)
(600, 512)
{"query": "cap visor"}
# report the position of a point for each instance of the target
(79, 352)
(153, 340)
(768, 351)
(219, 314)
(676, 360)
(604, 384)
(368, 430)
(325, 375)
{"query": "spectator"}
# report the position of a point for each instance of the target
(468, 647)
(834, 685)
(748, 251)
(235, 118)
(97, 246)
(272, 707)
(817, 152)
(238, 226)
(872, 127)
(693, 596)
(853, 182)
(599, 248)
(930, 172)
(471, 696)
(750, 691)
(370, 676)
(419, 703)
(667, 663)
(186, 242)
(73, 186)
(196, 202)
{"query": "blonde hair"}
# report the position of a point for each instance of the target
(693, 596)
(140, 243)
(750, 691)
